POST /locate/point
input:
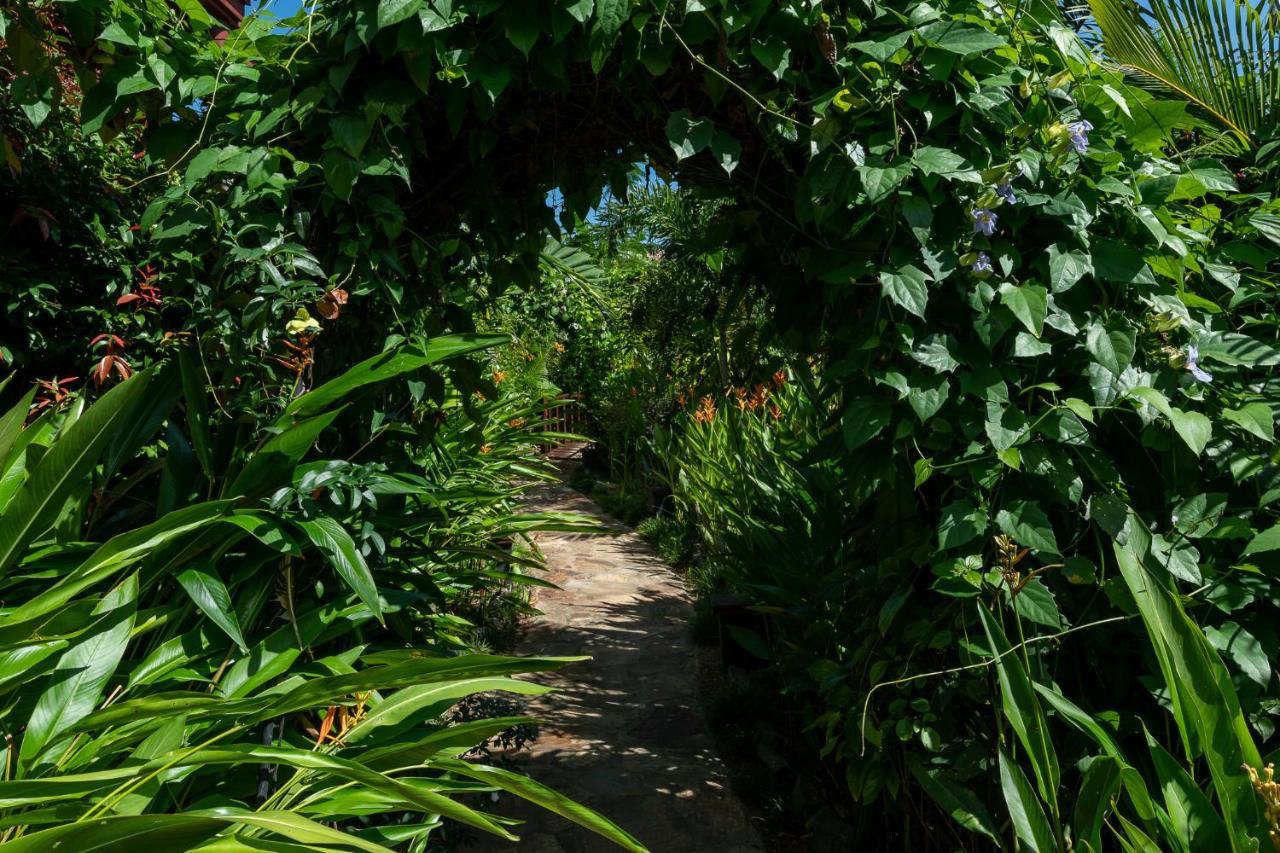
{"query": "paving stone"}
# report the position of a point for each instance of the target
(624, 732)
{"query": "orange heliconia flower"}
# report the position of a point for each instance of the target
(706, 412)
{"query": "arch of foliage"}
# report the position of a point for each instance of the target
(1036, 316)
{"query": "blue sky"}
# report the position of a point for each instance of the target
(280, 8)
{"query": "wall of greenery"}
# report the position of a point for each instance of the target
(1028, 310)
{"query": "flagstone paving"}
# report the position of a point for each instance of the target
(624, 733)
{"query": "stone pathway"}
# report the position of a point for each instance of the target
(624, 732)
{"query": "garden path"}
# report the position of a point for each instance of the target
(624, 732)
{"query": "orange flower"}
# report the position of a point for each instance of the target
(775, 411)
(558, 347)
(780, 379)
(485, 448)
(498, 376)
(706, 412)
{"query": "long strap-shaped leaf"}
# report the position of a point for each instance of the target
(1218, 54)
(387, 365)
(1204, 691)
(177, 833)
(68, 461)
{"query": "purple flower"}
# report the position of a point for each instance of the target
(1200, 374)
(1005, 191)
(983, 263)
(984, 221)
(1078, 131)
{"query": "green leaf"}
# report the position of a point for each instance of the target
(1203, 698)
(726, 150)
(958, 801)
(1193, 428)
(1244, 649)
(964, 39)
(1113, 349)
(1267, 540)
(906, 286)
(388, 365)
(1029, 303)
(1194, 818)
(1029, 822)
(351, 132)
(961, 523)
(541, 795)
(67, 463)
(1100, 784)
(1255, 418)
(879, 182)
(1066, 267)
(394, 11)
(115, 554)
(1022, 709)
(611, 15)
(1119, 263)
(197, 407)
(773, 53)
(1026, 522)
(883, 48)
(274, 461)
(81, 674)
(329, 536)
(1035, 603)
(863, 421)
(927, 395)
(209, 593)
(1237, 350)
(942, 161)
(402, 704)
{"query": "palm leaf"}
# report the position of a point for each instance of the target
(1220, 55)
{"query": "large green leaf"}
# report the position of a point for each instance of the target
(81, 673)
(549, 799)
(336, 543)
(1022, 709)
(1030, 825)
(387, 365)
(116, 554)
(210, 594)
(68, 461)
(273, 463)
(1217, 54)
(1094, 801)
(1203, 695)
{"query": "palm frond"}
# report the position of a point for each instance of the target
(1220, 55)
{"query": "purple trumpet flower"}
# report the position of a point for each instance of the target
(983, 263)
(984, 221)
(1193, 357)
(1005, 191)
(1078, 131)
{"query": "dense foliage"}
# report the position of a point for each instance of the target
(1028, 419)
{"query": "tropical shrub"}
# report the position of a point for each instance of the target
(1020, 301)
(177, 634)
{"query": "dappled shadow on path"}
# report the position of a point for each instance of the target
(624, 732)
